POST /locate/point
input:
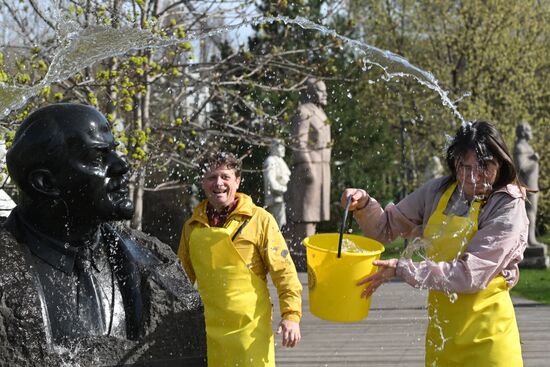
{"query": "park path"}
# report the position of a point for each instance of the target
(393, 332)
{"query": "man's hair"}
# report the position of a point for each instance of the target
(220, 159)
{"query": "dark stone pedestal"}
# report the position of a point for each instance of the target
(535, 257)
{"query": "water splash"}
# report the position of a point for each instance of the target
(394, 66)
(82, 47)
(460, 206)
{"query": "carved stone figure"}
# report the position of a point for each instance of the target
(433, 169)
(276, 177)
(75, 288)
(309, 187)
(527, 162)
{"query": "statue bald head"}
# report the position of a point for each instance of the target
(39, 142)
(67, 152)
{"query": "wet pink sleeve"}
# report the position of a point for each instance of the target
(496, 248)
(404, 219)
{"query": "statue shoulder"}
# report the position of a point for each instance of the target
(146, 245)
(157, 262)
(22, 312)
(305, 111)
(522, 147)
(269, 160)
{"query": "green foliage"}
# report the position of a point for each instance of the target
(384, 131)
(488, 54)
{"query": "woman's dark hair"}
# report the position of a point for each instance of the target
(483, 138)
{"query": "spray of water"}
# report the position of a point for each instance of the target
(82, 47)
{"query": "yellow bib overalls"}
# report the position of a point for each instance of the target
(237, 307)
(478, 329)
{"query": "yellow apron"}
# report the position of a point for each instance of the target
(476, 329)
(237, 307)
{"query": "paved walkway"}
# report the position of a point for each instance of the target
(393, 333)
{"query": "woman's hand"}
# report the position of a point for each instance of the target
(359, 198)
(386, 271)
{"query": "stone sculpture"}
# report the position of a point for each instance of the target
(76, 288)
(309, 187)
(527, 162)
(276, 177)
(433, 169)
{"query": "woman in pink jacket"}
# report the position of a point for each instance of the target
(473, 227)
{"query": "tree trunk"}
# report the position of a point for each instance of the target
(143, 123)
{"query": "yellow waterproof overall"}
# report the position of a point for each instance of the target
(476, 329)
(237, 307)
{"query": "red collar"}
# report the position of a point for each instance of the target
(217, 218)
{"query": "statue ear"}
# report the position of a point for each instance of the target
(42, 181)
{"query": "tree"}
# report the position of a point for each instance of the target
(489, 56)
(146, 93)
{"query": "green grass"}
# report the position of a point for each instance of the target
(534, 284)
(392, 250)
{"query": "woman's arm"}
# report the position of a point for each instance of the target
(497, 245)
(404, 219)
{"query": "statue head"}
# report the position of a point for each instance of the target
(316, 92)
(523, 131)
(65, 154)
(277, 148)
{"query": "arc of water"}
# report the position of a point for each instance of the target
(84, 47)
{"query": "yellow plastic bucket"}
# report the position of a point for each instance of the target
(332, 281)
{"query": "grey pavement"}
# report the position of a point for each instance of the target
(393, 332)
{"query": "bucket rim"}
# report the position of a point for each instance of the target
(306, 243)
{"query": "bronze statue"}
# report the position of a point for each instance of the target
(76, 287)
(309, 187)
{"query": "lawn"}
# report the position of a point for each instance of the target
(533, 284)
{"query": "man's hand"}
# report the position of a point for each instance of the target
(291, 333)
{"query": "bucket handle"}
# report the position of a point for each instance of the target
(343, 225)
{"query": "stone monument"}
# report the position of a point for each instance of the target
(527, 162)
(76, 288)
(309, 187)
(433, 169)
(276, 177)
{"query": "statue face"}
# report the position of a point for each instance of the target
(93, 182)
(220, 185)
(278, 149)
(321, 93)
(527, 132)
